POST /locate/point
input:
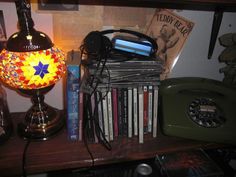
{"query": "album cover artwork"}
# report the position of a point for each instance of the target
(170, 31)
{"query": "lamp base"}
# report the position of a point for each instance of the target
(41, 131)
(41, 121)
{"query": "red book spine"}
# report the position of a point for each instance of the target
(115, 111)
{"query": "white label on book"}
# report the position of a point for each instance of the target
(110, 115)
(155, 112)
(140, 108)
(130, 112)
(105, 116)
(135, 107)
(150, 107)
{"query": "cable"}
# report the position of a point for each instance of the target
(24, 171)
(90, 119)
(99, 132)
(92, 116)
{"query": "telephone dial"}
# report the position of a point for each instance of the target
(198, 108)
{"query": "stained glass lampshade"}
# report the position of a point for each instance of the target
(32, 64)
(32, 70)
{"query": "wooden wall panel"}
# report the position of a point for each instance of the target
(70, 28)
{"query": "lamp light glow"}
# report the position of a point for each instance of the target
(32, 70)
(32, 65)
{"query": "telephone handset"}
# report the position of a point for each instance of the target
(198, 108)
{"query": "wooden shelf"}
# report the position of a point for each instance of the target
(212, 5)
(58, 153)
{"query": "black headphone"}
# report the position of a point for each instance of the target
(96, 43)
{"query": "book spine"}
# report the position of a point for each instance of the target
(115, 111)
(140, 110)
(94, 114)
(81, 115)
(120, 117)
(73, 75)
(105, 114)
(130, 112)
(155, 111)
(150, 107)
(125, 112)
(145, 109)
(100, 111)
(135, 108)
(110, 116)
(88, 119)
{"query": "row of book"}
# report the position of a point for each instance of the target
(123, 112)
(122, 100)
(115, 112)
(118, 112)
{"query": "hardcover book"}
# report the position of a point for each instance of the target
(81, 105)
(72, 93)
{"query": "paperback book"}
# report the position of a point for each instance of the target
(72, 93)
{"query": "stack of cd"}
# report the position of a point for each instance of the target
(130, 72)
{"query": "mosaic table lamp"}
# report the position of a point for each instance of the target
(32, 64)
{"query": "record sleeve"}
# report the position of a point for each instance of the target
(170, 30)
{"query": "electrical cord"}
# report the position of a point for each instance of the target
(90, 116)
(93, 116)
(24, 170)
(100, 134)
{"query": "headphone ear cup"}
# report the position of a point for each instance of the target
(107, 44)
(93, 43)
(96, 44)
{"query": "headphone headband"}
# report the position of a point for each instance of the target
(135, 33)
